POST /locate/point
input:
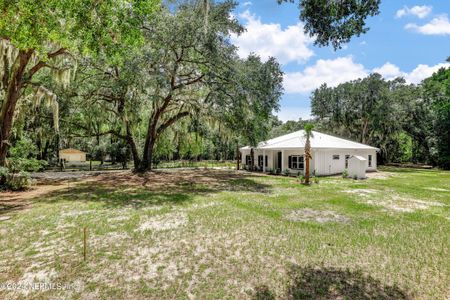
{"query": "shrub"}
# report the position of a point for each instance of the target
(278, 171)
(316, 180)
(14, 181)
(355, 177)
(18, 164)
(286, 172)
(301, 178)
(345, 173)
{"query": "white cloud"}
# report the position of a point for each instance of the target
(423, 71)
(270, 40)
(331, 71)
(437, 26)
(389, 71)
(247, 3)
(336, 71)
(420, 11)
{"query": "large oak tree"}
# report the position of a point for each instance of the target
(34, 33)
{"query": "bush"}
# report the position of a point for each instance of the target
(26, 164)
(286, 172)
(14, 181)
(301, 178)
(345, 173)
(316, 180)
(355, 177)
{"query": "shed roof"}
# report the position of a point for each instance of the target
(319, 140)
(71, 151)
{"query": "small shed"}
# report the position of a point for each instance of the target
(72, 155)
(357, 167)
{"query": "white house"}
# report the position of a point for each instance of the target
(330, 154)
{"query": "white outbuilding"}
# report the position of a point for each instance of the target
(72, 155)
(357, 167)
(330, 154)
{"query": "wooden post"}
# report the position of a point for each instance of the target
(238, 156)
(84, 243)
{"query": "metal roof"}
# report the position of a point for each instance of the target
(319, 140)
(71, 151)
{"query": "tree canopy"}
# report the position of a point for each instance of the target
(407, 122)
(335, 22)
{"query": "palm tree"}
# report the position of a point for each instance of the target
(308, 134)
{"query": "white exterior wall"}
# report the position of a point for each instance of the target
(322, 162)
(357, 168)
(325, 165)
(73, 157)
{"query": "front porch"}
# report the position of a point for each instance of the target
(274, 161)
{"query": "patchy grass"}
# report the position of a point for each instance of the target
(213, 234)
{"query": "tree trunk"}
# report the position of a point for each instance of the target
(133, 147)
(13, 94)
(146, 164)
(307, 157)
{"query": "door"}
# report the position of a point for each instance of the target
(279, 160)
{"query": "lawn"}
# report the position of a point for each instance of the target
(212, 234)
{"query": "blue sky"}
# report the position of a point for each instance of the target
(408, 38)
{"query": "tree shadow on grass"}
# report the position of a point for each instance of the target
(332, 283)
(158, 188)
(115, 198)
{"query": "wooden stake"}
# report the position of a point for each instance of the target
(84, 242)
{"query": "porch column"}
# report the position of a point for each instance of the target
(264, 161)
(282, 160)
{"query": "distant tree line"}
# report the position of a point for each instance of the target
(409, 123)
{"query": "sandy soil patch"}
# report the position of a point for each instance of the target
(402, 204)
(438, 189)
(164, 222)
(362, 192)
(380, 175)
(320, 216)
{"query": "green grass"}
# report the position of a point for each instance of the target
(212, 234)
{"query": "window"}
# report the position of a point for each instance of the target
(346, 161)
(248, 160)
(370, 160)
(296, 162)
(335, 157)
(260, 161)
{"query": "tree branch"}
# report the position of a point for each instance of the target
(42, 64)
(172, 120)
